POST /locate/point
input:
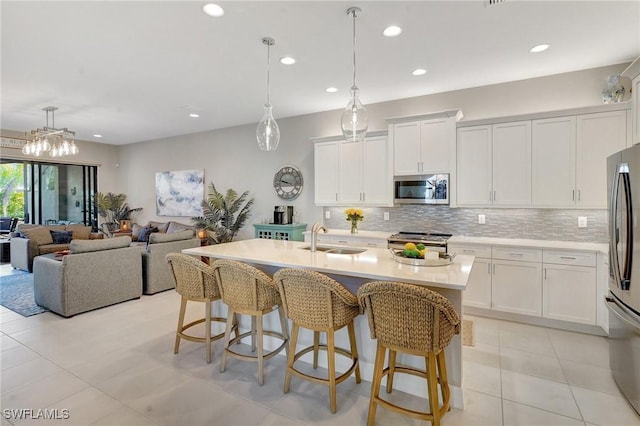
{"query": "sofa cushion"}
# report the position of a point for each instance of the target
(162, 226)
(172, 236)
(80, 231)
(86, 246)
(61, 237)
(177, 226)
(39, 235)
(145, 232)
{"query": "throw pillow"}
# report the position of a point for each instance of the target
(61, 237)
(162, 226)
(135, 231)
(80, 231)
(145, 232)
(39, 235)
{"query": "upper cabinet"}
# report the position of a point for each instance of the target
(494, 165)
(423, 143)
(353, 173)
(633, 73)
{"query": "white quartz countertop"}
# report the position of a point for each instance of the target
(520, 242)
(374, 263)
(360, 235)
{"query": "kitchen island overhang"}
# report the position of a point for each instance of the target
(353, 270)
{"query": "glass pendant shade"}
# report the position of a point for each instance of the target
(355, 121)
(268, 132)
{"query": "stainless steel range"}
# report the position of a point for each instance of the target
(432, 240)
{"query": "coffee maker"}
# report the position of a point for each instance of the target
(278, 215)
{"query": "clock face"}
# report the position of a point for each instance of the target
(287, 182)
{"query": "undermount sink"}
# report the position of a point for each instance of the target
(336, 250)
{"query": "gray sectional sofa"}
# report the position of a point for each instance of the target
(93, 275)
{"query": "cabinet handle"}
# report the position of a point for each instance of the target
(342, 241)
(516, 254)
(545, 273)
(494, 195)
(490, 196)
(494, 269)
(567, 258)
(363, 197)
(578, 195)
(573, 195)
(372, 244)
(468, 251)
(489, 268)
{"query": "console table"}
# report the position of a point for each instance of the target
(292, 232)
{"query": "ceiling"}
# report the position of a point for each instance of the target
(134, 70)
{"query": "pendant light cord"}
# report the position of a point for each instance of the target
(354, 87)
(268, 63)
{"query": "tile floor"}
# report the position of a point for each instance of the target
(115, 366)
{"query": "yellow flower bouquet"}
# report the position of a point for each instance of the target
(354, 215)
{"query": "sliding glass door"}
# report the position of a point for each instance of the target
(53, 193)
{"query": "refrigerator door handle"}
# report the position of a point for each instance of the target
(613, 229)
(625, 281)
(621, 312)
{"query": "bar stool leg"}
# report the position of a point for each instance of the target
(444, 382)
(227, 335)
(207, 331)
(291, 356)
(375, 383)
(183, 308)
(392, 370)
(354, 349)
(285, 329)
(331, 357)
(260, 351)
(432, 384)
(316, 345)
(253, 333)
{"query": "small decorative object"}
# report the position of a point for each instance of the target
(354, 215)
(287, 182)
(614, 92)
(125, 225)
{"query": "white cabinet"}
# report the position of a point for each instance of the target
(635, 104)
(516, 285)
(569, 158)
(598, 136)
(423, 144)
(325, 171)
(553, 147)
(569, 286)
(494, 164)
(478, 291)
(354, 173)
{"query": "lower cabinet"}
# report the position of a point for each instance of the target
(554, 284)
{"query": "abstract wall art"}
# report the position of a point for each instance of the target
(179, 193)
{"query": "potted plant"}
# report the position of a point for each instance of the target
(223, 214)
(113, 208)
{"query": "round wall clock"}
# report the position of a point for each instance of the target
(287, 182)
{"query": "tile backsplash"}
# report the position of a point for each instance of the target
(538, 224)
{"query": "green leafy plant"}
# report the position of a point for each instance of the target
(113, 208)
(224, 214)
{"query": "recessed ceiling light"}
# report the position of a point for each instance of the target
(287, 60)
(392, 31)
(213, 9)
(419, 71)
(331, 89)
(97, 136)
(194, 115)
(539, 48)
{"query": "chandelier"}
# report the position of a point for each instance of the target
(57, 142)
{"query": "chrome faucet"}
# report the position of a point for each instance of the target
(314, 235)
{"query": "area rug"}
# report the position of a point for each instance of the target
(16, 293)
(468, 333)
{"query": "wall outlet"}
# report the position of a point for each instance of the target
(582, 221)
(327, 214)
(481, 219)
(386, 215)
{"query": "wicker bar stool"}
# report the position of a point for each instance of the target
(415, 320)
(249, 291)
(316, 302)
(195, 282)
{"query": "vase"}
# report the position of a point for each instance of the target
(354, 226)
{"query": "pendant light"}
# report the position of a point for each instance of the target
(268, 132)
(354, 122)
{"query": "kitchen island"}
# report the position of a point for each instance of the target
(353, 270)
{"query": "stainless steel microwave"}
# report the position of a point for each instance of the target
(421, 189)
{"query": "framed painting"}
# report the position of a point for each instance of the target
(179, 193)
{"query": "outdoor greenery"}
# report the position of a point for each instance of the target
(11, 195)
(223, 214)
(113, 208)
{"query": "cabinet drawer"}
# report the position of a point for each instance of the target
(576, 258)
(470, 249)
(517, 253)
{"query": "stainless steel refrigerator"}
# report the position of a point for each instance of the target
(623, 300)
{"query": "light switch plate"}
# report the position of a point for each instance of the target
(327, 214)
(582, 221)
(386, 215)
(481, 219)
